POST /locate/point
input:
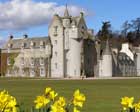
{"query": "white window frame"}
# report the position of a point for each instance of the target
(42, 71)
(41, 61)
(55, 30)
(32, 61)
(32, 72)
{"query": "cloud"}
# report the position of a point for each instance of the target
(23, 14)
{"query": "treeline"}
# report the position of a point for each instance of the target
(130, 32)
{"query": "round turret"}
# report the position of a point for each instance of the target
(66, 19)
(106, 62)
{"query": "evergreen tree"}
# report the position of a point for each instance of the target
(105, 32)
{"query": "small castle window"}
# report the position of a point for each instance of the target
(56, 66)
(55, 53)
(55, 42)
(55, 30)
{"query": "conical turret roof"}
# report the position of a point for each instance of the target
(107, 49)
(66, 13)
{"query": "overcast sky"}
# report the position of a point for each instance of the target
(18, 17)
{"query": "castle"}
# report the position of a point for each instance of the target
(69, 51)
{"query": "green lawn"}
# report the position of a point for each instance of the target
(102, 95)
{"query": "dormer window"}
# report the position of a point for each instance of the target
(42, 45)
(55, 30)
(32, 44)
(23, 45)
(9, 47)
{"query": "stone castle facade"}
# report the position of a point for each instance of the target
(69, 51)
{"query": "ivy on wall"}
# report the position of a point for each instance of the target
(12, 57)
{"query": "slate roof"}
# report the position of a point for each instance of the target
(107, 49)
(123, 59)
(16, 43)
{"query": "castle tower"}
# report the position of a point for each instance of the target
(66, 18)
(67, 34)
(56, 34)
(106, 62)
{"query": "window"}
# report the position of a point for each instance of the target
(32, 44)
(55, 53)
(127, 58)
(10, 45)
(42, 48)
(8, 50)
(82, 29)
(55, 30)
(42, 45)
(42, 72)
(32, 61)
(41, 61)
(22, 47)
(22, 71)
(32, 72)
(55, 42)
(120, 57)
(25, 45)
(22, 60)
(55, 65)
(123, 57)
